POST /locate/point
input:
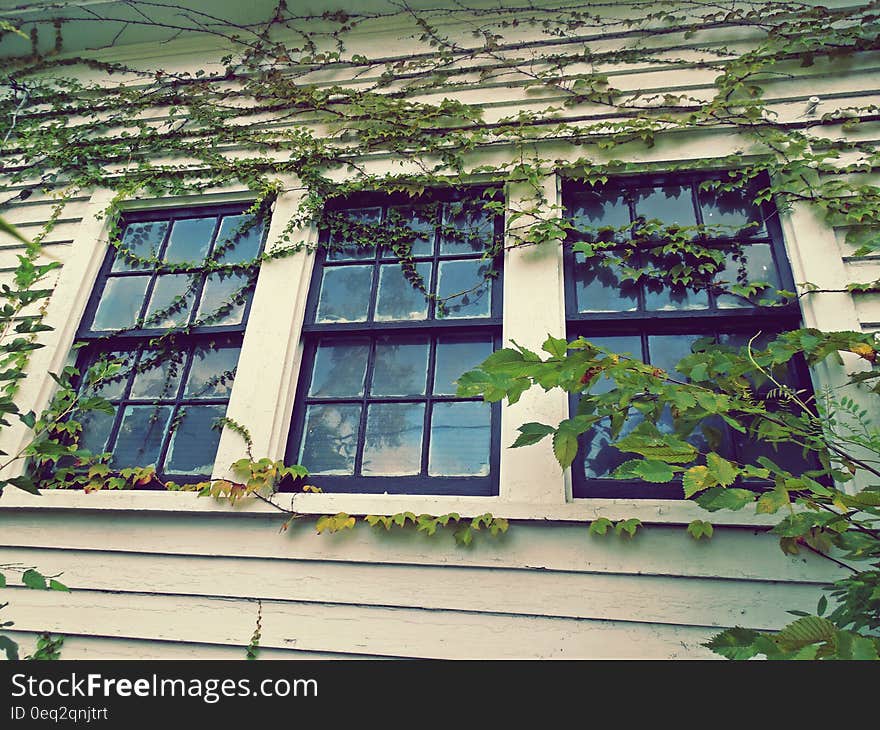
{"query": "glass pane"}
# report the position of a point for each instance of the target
(172, 300)
(345, 294)
(96, 427)
(460, 439)
(158, 374)
(463, 289)
(193, 444)
(224, 298)
(665, 351)
(330, 439)
(114, 386)
(340, 366)
(600, 458)
(731, 213)
(189, 240)
(753, 263)
(420, 220)
(398, 298)
(401, 366)
(342, 243)
(235, 245)
(120, 303)
(473, 229)
(212, 373)
(140, 435)
(670, 298)
(142, 240)
(670, 204)
(393, 444)
(599, 214)
(598, 288)
(456, 357)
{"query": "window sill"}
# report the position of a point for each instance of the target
(673, 512)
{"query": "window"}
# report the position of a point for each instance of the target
(389, 327)
(170, 305)
(660, 323)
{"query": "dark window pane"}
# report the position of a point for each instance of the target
(398, 298)
(401, 366)
(345, 294)
(142, 240)
(330, 439)
(113, 386)
(224, 298)
(467, 229)
(140, 435)
(464, 290)
(670, 204)
(665, 351)
(96, 427)
(393, 443)
(339, 368)
(172, 301)
(454, 358)
(460, 439)
(730, 214)
(158, 375)
(235, 245)
(600, 458)
(193, 443)
(602, 214)
(598, 288)
(344, 247)
(750, 264)
(189, 240)
(422, 221)
(121, 303)
(671, 298)
(212, 372)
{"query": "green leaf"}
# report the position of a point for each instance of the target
(34, 579)
(722, 470)
(770, 502)
(600, 526)
(696, 479)
(699, 529)
(627, 527)
(25, 483)
(565, 446)
(9, 647)
(805, 631)
(735, 643)
(55, 585)
(718, 498)
(555, 346)
(2, 581)
(822, 605)
(650, 470)
(531, 433)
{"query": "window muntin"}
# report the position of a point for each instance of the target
(384, 341)
(658, 323)
(173, 319)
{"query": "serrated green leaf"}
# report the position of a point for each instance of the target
(731, 498)
(770, 502)
(531, 433)
(695, 480)
(721, 469)
(555, 346)
(805, 631)
(34, 579)
(735, 643)
(565, 446)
